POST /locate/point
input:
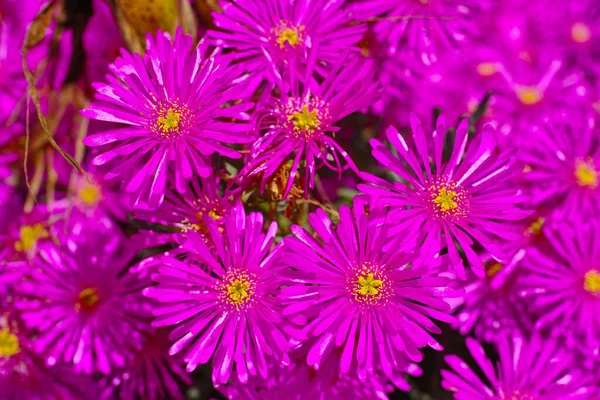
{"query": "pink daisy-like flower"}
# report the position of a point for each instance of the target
(464, 200)
(298, 125)
(568, 30)
(358, 292)
(268, 34)
(85, 307)
(491, 305)
(531, 94)
(563, 168)
(152, 374)
(534, 369)
(564, 285)
(89, 195)
(177, 103)
(426, 26)
(226, 305)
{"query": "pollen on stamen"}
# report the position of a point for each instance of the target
(586, 173)
(591, 282)
(9, 343)
(286, 33)
(369, 285)
(304, 119)
(529, 95)
(170, 120)
(237, 289)
(445, 199)
(448, 201)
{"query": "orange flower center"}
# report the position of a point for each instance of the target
(529, 95)
(88, 298)
(580, 32)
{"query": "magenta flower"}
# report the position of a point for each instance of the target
(570, 31)
(84, 306)
(152, 374)
(464, 200)
(91, 195)
(491, 306)
(360, 294)
(270, 34)
(455, 86)
(427, 27)
(564, 285)
(563, 168)
(176, 103)
(298, 126)
(529, 95)
(535, 369)
(225, 306)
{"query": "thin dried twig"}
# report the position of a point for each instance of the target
(35, 34)
(26, 153)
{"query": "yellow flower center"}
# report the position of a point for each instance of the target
(90, 194)
(486, 69)
(529, 95)
(29, 235)
(284, 33)
(9, 344)
(586, 173)
(306, 120)
(536, 227)
(87, 298)
(288, 35)
(215, 214)
(367, 285)
(445, 200)
(591, 282)
(493, 270)
(580, 32)
(238, 290)
(169, 123)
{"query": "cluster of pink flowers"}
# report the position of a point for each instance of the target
(300, 199)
